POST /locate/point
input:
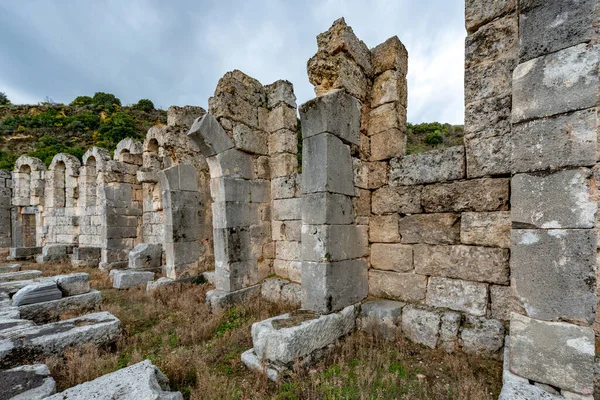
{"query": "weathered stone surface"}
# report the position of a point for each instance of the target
(503, 301)
(38, 292)
(10, 268)
(145, 255)
(403, 200)
(555, 353)
(569, 292)
(449, 331)
(388, 87)
(326, 165)
(490, 229)
(557, 83)
(488, 118)
(327, 208)
(486, 81)
(430, 228)
(494, 41)
(287, 209)
(288, 337)
(252, 362)
(23, 253)
(183, 116)
(384, 229)
(50, 311)
(474, 195)
(330, 286)
(429, 167)
(480, 12)
(562, 199)
(388, 144)
(127, 279)
(390, 55)
(334, 242)
(392, 257)
(280, 92)
(140, 381)
(231, 163)
(488, 156)
(421, 325)
(73, 284)
(550, 143)
(28, 382)
(20, 275)
(160, 282)
(386, 117)
(291, 293)
(473, 263)
(381, 318)
(336, 112)
(99, 328)
(549, 26)
(482, 337)
(271, 289)
(459, 295)
(397, 286)
(328, 72)
(220, 300)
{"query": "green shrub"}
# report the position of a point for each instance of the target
(434, 138)
(7, 160)
(114, 129)
(105, 101)
(48, 146)
(144, 105)
(4, 101)
(82, 101)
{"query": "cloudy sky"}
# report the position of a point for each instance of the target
(174, 52)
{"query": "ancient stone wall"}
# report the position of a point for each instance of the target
(5, 209)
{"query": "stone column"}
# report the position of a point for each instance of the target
(5, 209)
(334, 272)
(554, 198)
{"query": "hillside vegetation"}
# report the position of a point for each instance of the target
(431, 136)
(48, 128)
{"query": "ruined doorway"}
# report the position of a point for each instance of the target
(28, 224)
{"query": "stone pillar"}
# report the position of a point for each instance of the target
(182, 221)
(334, 272)
(553, 153)
(5, 209)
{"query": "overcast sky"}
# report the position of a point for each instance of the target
(174, 52)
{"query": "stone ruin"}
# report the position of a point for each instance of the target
(488, 248)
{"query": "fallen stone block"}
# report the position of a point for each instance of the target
(23, 253)
(251, 360)
(381, 318)
(127, 279)
(32, 342)
(7, 324)
(9, 268)
(73, 284)
(289, 337)
(50, 311)
(139, 381)
(86, 257)
(54, 253)
(145, 255)
(220, 300)
(37, 293)
(19, 276)
(27, 382)
(13, 287)
(160, 282)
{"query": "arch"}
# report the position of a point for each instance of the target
(152, 146)
(27, 174)
(100, 155)
(127, 146)
(71, 163)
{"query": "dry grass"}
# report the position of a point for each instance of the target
(200, 353)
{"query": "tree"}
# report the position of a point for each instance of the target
(105, 101)
(434, 138)
(82, 101)
(116, 128)
(144, 105)
(4, 101)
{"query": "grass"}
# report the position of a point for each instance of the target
(200, 353)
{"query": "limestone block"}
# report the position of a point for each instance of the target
(142, 381)
(384, 229)
(569, 292)
(336, 113)
(282, 117)
(290, 251)
(280, 92)
(330, 286)
(480, 12)
(389, 87)
(565, 140)
(27, 382)
(559, 200)
(421, 325)
(10, 268)
(494, 41)
(388, 144)
(488, 118)
(126, 279)
(556, 353)
(283, 164)
(341, 38)
(489, 80)
(232, 163)
(295, 271)
(287, 209)
(329, 72)
(238, 190)
(283, 141)
(271, 289)
(370, 175)
(284, 187)
(292, 294)
(392, 257)
(232, 244)
(327, 208)
(334, 242)
(482, 337)
(549, 26)
(390, 55)
(145, 255)
(490, 229)
(232, 106)
(449, 331)
(51, 311)
(397, 286)
(403, 200)
(36, 293)
(381, 318)
(557, 83)
(287, 230)
(458, 295)
(489, 156)
(252, 362)
(180, 256)
(160, 282)
(386, 117)
(362, 203)
(73, 284)
(252, 141)
(232, 214)
(287, 338)
(326, 165)
(429, 167)
(503, 301)
(183, 116)
(221, 300)
(474, 195)
(430, 228)
(473, 263)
